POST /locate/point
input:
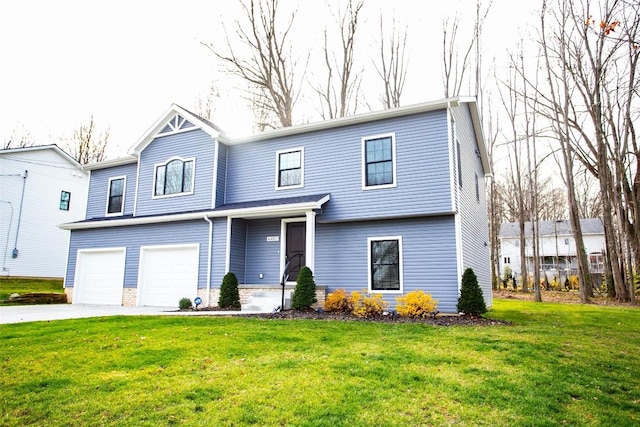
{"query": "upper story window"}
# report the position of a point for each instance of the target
(65, 200)
(174, 177)
(290, 168)
(385, 264)
(379, 158)
(115, 198)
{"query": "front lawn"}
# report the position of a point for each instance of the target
(558, 364)
(11, 285)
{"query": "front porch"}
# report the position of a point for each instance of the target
(270, 293)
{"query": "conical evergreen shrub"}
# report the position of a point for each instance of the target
(229, 294)
(471, 301)
(305, 293)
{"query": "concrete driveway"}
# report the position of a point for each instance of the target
(38, 313)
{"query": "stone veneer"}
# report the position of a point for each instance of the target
(130, 297)
(246, 291)
(69, 293)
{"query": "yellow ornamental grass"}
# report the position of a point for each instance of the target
(367, 305)
(337, 301)
(416, 304)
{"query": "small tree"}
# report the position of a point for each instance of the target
(305, 293)
(471, 301)
(229, 295)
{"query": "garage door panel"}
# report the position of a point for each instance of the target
(167, 274)
(99, 276)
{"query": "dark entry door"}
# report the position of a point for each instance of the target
(296, 242)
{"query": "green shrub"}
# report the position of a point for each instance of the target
(367, 305)
(337, 301)
(305, 293)
(416, 304)
(471, 301)
(229, 294)
(185, 304)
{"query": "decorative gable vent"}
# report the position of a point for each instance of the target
(177, 124)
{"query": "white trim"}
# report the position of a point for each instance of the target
(207, 301)
(310, 244)
(291, 150)
(262, 211)
(400, 267)
(124, 191)
(283, 242)
(176, 128)
(110, 163)
(394, 161)
(452, 155)
(169, 160)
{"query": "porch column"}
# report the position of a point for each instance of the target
(311, 241)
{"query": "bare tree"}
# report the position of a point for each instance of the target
(270, 67)
(339, 96)
(87, 145)
(455, 67)
(20, 138)
(205, 105)
(392, 68)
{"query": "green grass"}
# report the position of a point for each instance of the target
(10, 285)
(557, 364)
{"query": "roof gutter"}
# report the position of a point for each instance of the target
(256, 212)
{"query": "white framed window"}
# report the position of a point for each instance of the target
(385, 264)
(379, 161)
(174, 178)
(115, 195)
(65, 200)
(507, 260)
(290, 168)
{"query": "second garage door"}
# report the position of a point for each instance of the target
(99, 276)
(167, 274)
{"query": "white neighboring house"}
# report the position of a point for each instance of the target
(557, 247)
(40, 188)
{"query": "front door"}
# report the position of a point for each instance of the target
(296, 242)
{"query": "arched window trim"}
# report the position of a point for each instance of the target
(186, 187)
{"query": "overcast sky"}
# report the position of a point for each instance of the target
(125, 62)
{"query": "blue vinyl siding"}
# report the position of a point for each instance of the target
(333, 164)
(429, 256)
(133, 237)
(238, 248)
(99, 189)
(473, 213)
(221, 172)
(262, 256)
(219, 251)
(193, 144)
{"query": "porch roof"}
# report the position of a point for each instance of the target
(286, 206)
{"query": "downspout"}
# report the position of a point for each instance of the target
(14, 254)
(209, 252)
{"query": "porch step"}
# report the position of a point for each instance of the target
(266, 302)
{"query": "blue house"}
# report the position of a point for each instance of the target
(390, 201)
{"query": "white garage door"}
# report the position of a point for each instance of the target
(99, 276)
(168, 274)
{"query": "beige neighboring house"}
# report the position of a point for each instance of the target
(40, 188)
(557, 247)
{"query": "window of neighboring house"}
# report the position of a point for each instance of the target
(385, 264)
(566, 241)
(65, 200)
(379, 170)
(290, 168)
(477, 189)
(174, 177)
(115, 199)
(507, 260)
(517, 243)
